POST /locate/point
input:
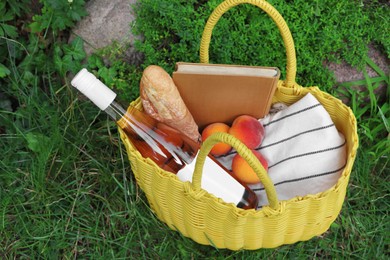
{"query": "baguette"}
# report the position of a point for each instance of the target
(162, 101)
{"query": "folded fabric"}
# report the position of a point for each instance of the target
(305, 152)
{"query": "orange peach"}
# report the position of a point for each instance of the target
(219, 148)
(248, 130)
(244, 172)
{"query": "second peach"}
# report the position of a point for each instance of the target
(248, 130)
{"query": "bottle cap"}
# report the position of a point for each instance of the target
(93, 89)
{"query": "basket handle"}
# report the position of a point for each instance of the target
(245, 153)
(291, 67)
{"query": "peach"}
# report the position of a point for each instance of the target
(219, 148)
(244, 172)
(248, 130)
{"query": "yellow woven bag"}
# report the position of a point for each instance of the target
(193, 212)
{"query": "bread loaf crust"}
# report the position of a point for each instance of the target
(162, 101)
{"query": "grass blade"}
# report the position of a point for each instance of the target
(375, 67)
(363, 82)
(370, 88)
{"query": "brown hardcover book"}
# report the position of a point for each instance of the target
(220, 93)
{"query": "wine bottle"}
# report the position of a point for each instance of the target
(167, 147)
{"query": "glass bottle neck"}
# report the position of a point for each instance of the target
(115, 111)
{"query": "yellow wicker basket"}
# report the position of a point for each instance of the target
(193, 212)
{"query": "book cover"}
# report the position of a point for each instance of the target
(220, 93)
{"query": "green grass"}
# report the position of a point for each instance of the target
(66, 188)
(67, 191)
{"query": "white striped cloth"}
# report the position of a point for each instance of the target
(305, 152)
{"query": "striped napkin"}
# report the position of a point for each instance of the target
(305, 152)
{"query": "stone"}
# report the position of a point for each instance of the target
(107, 21)
(344, 72)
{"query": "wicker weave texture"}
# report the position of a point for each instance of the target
(208, 220)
